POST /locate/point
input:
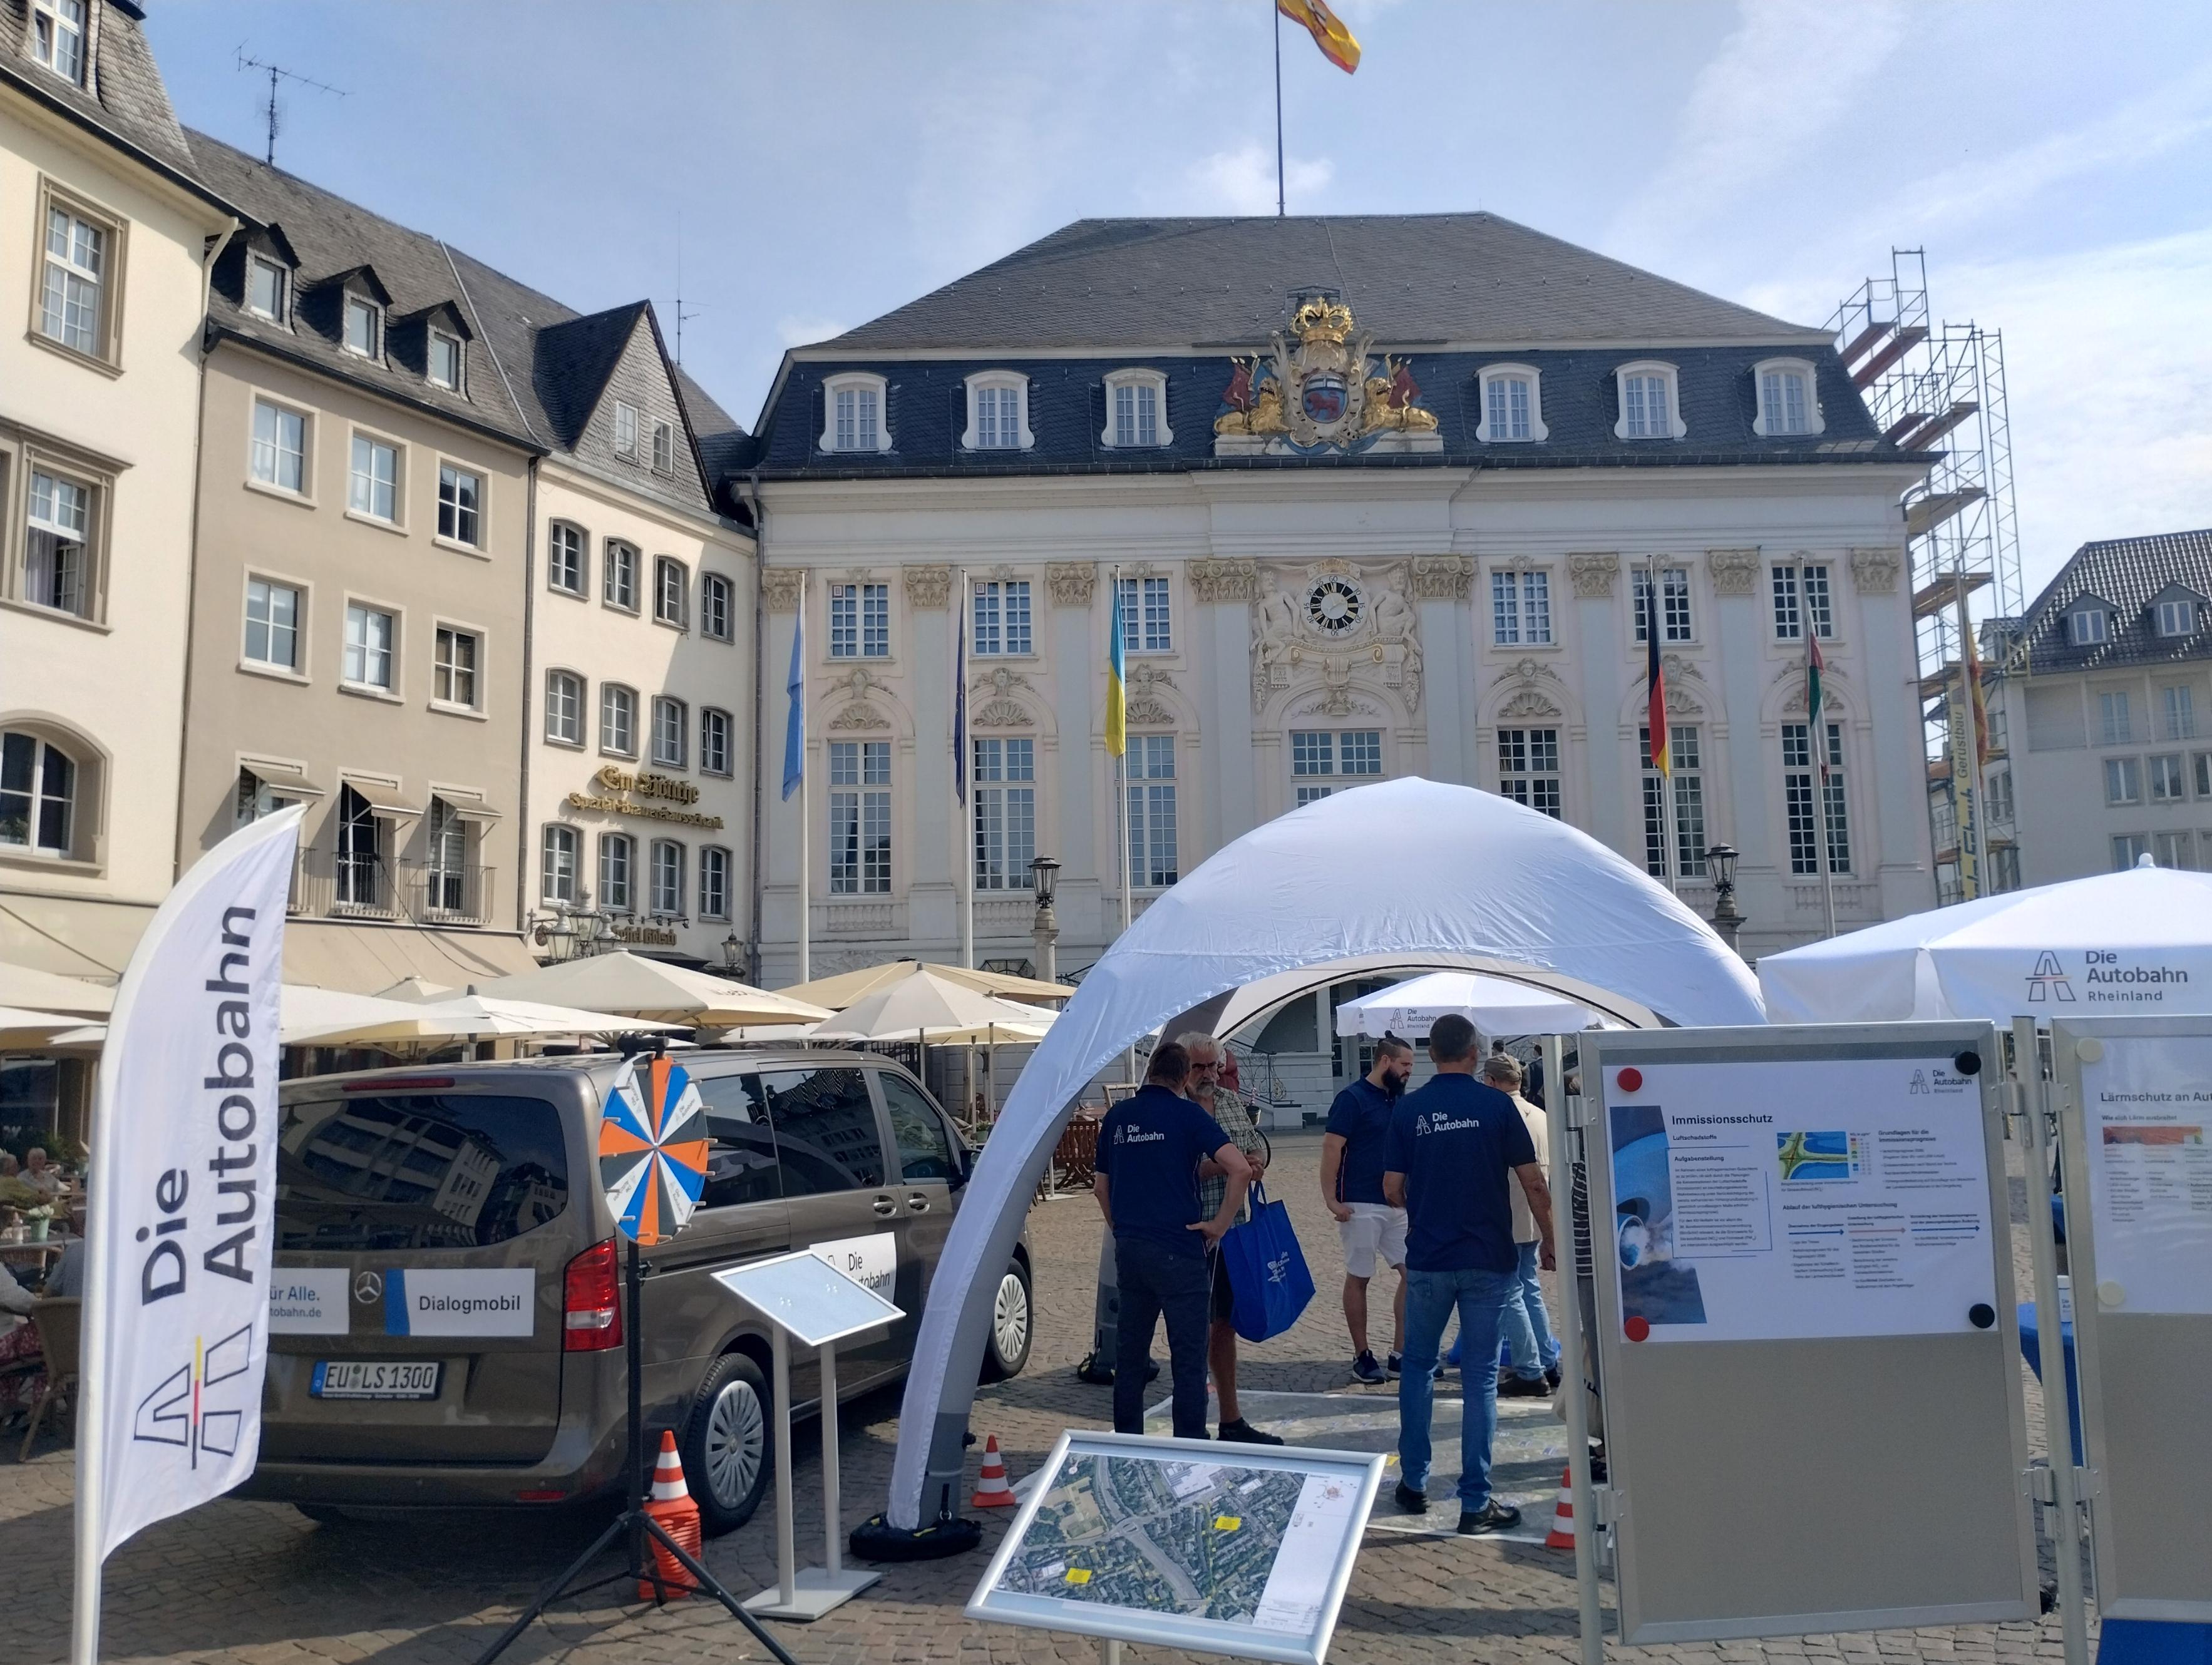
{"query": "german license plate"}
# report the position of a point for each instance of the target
(375, 1378)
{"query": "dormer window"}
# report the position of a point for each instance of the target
(265, 288)
(625, 430)
(58, 29)
(664, 448)
(1650, 407)
(364, 327)
(2089, 627)
(445, 360)
(2177, 617)
(1787, 403)
(853, 414)
(997, 412)
(1136, 411)
(1513, 407)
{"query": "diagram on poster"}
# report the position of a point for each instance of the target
(2147, 1107)
(1790, 1199)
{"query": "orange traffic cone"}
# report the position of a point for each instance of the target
(671, 1507)
(992, 1491)
(1562, 1534)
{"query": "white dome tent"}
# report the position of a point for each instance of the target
(1409, 873)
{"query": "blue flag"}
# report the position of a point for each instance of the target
(794, 728)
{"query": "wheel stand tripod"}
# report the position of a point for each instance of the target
(633, 1521)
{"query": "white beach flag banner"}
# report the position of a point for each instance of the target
(184, 1169)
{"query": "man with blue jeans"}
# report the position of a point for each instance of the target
(1153, 1148)
(1534, 1354)
(1456, 1148)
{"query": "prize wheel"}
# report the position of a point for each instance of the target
(653, 1149)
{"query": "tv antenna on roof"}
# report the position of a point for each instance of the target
(270, 108)
(680, 314)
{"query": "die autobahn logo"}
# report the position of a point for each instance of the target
(190, 1408)
(2107, 981)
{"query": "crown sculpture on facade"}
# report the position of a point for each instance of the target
(1319, 390)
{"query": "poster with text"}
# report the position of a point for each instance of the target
(2147, 1107)
(1795, 1198)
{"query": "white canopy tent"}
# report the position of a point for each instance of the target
(1496, 1006)
(2025, 954)
(1403, 872)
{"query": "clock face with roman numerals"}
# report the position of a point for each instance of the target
(1334, 606)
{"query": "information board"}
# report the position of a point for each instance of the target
(1160, 1541)
(1806, 1331)
(2135, 1116)
(809, 1297)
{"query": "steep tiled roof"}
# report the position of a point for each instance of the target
(2129, 574)
(1413, 279)
(124, 98)
(575, 359)
(724, 445)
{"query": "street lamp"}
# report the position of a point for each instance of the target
(1721, 859)
(1044, 878)
(732, 950)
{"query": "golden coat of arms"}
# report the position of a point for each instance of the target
(1319, 389)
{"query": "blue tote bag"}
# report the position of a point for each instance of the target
(1269, 1282)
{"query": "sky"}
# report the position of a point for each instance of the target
(814, 165)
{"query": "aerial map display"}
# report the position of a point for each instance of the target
(1117, 1531)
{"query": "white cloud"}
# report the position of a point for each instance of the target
(1242, 180)
(1790, 70)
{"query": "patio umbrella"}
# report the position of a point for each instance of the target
(476, 1017)
(305, 1011)
(22, 1028)
(641, 988)
(417, 988)
(848, 988)
(44, 991)
(1496, 1006)
(934, 1011)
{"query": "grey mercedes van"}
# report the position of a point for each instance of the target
(447, 1326)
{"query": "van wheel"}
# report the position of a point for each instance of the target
(1011, 1326)
(726, 1444)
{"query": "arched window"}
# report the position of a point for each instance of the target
(37, 795)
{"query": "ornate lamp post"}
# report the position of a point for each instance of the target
(1044, 878)
(733, 951)
(1728, 920)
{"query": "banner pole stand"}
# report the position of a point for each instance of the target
(1571, 1366)
(2058, 1412)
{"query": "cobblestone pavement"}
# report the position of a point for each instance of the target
(257, 1582)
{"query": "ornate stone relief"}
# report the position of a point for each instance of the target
(1736, 572)
(859, 716)
(1332, 617)
(1071, 582)
(1682, 678)
(1005, 713)
(1874, 570)
(1442, 577)
(1536, 690)
(780, 588)
(1145, 705)
(859, 713)
(1232, 578)
(1592, 573)
(928, 586)
(999, 679)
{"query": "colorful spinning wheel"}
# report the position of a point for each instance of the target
(653, 1150)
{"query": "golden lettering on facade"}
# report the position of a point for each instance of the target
(584, 800)
(647, 786)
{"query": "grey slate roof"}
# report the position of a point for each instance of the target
(724, 445)
(126, 98)
(1160, 285)
(2129, 574)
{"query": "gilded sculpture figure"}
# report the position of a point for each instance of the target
(1319, 387)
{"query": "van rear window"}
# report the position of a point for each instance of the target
(418, 1171)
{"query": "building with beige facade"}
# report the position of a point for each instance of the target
(104, 230)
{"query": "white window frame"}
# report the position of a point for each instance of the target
(482, 512)
(1003, 815)
(295, 671)
(626, 422)
(1133, 378)
(77, 799)
(397, 519)
(710, 718)
(1532, 767)
(1766, 425)
(861, 642)
(105, 282)
(999, 621)
(678, 617)
(716, 907)
(305, 491)
(376, 316)
(256, 263)
(860, 814)
(608, 692)
(1676, 428)
(2128, 848)
(607, 566)
(91, 539)
(663, 447)
(2166, 773)
(1800, 599)
(2123, 780)
(666, 860)
(446, 339)
(1538, 432)
(582, 587)
(396, 638)
(998, 381)
(557, 874)
(577, 689)
(2077, 617)
(1524, 612)
(477, 673)
(2172, 625)
(618, 891)
(1135, 599)
(1669, 592)
(712, 584)
(1154, 815)
(671, 738)
(856, 381)
(48, 32)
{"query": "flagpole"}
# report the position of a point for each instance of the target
(1662, 736)
(1817, 737)
(1280, 208)
(963, 846)
(806, 820)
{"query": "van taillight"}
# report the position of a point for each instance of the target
(591, 1301)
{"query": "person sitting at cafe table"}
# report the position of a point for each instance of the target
(40, 1174)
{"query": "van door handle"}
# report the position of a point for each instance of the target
(917, 1202)
(886, 1206)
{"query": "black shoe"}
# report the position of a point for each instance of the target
(1523, 1386)
(1412, 1502)
(1241, 1432)
(1552, 1378)
(1492, 1517)
(1365, 1369)
(1395, 1364)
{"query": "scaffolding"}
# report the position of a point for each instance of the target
(1941, 388)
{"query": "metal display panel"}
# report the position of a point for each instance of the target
(2135, 1117)
(1244, 1550)
(1806, 1328)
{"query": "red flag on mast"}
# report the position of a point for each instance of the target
(1654, 675)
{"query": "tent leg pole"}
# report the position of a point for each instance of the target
(1572, 1367)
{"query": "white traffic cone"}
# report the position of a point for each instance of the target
(992, 1491)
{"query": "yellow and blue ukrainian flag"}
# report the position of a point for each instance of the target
(1117, 695)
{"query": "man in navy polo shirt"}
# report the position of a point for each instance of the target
(1456, 1147)
(1353, 1152)
(1151, 1147)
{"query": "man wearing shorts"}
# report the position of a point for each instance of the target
(1351, 1158)
(1204, 1089)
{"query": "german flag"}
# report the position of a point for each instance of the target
(1335, 42)
(1655, 676)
